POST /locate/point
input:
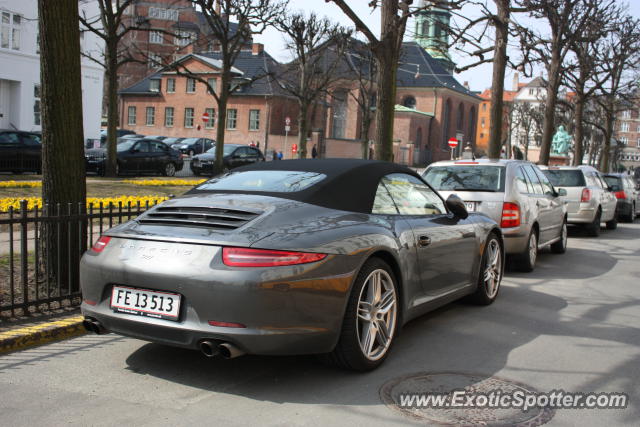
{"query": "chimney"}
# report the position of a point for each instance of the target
(257, 48)
(466, 86)
(516, 81)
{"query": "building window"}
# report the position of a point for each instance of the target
(168, 117)
(188, 117)
(191, 85)
(232, 118)
(626, 114)
(624, 127)
(171, 85)
(156, 37)
(638, 143)
(212, 85)
(254, 119)
(339, 110)
(162, 13)
(131, 116)
(183, 38)
(212, 118)
(484, 106)
(410, 102)
(10, 31)
(155, 60)
(482, 122)
(624, 140)
(154, 85)
(36, 105)
(151, 116)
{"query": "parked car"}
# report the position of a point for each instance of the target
(192, 146)
(515, 194)
(103, 136)
(626, 191)
(20, 151)
(157, 137)
(137, 156)
(590, 201)
(234, 155)
(171, 140)
(294, 257)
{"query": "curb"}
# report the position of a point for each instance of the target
(31, 336)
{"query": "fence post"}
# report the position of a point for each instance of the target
(24, 255)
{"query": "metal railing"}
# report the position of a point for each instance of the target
(28, 283)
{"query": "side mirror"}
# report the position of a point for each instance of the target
(457, 207)
(562, 192)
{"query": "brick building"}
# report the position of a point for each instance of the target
(627, 133)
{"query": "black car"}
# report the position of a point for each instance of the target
(233, 156)
(103, 136)
(20, 151)
(137, 157)
(193, 146)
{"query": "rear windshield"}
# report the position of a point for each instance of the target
(565, 178)
(466, 178)
(263, 181)
(615, 182)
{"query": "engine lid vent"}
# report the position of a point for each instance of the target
(186, 216)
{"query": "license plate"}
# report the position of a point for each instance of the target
(143, 302)
(471, 206)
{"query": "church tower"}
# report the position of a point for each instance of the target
(431, 33)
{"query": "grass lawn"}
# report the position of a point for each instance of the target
(98, 187)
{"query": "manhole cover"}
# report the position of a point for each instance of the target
(396, 390)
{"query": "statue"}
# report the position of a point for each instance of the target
(561, 142)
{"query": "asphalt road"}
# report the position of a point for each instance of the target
(573, 324)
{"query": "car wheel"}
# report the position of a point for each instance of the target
(527, 261)
(169, 169)
(613, 224)
(491, 270)
(593, 229)
(370, 321)
(560, 246)
(632, 214)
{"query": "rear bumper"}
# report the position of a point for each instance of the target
(516, 240)
(585, 214)
(286, 310)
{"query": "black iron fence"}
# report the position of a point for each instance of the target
(40, 249)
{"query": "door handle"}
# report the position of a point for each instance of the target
(424, 241)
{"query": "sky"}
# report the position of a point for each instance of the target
(479, 78)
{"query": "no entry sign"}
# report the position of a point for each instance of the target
(205, 117)
(453, 143)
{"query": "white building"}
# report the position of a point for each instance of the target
(20, 70)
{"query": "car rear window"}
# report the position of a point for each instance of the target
(263, 181)
(565, 178)
(466, 178)
(615, 182)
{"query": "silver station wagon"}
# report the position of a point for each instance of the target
(514, 193)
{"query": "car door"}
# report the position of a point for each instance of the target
(134, 161)
(31, 152)
(254, 155)
(541, 212)
(445, 246)
(240, 157)
(158, 156)
(10, 146)
(556, 211)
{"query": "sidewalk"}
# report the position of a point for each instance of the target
(34, 332)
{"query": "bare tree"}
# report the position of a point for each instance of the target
(318, 47)
(567, 22)
(63, 172)
(527, 118)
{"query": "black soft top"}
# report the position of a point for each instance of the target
(351, 184)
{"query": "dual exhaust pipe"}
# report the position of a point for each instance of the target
(207, 347)
(225, 349)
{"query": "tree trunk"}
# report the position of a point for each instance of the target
(365, 125)
(303, 130)
(550, 108)
(112, 107)
(606, 146)
(579, 132)
(497, 86)
(63, 167)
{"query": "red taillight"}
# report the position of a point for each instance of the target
(620, 195)
(586, 195)
(245, 257)
(102, 243)
(510, 215)
(226, 324)
(90, 302)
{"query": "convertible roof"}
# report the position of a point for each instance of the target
(351, 184)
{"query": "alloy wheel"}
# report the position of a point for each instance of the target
(170, 169)
(533, 248)
(493, 268)
(377, 314)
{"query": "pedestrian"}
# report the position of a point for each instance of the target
(274, 155)
(280, 155)
(314, 152)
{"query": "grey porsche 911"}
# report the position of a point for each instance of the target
(325, 257)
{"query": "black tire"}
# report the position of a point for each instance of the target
(613, 224)
(485, 294)
(169, 169)
(527, 260)
(348, 353)
(560, 246)
(593, 229)
(632, 214)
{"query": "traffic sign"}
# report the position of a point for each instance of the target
(294, 148)
(287, 120)
(205, 117)
(453, 143)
